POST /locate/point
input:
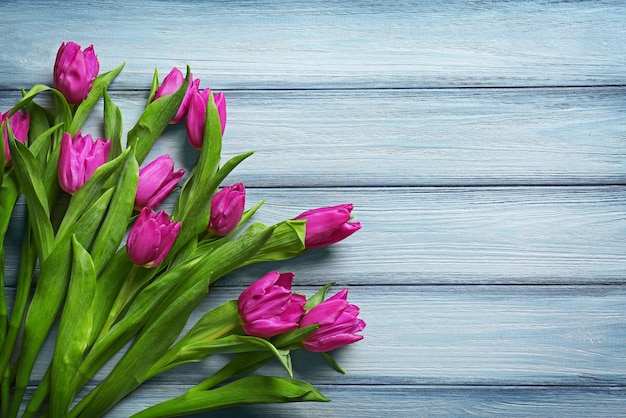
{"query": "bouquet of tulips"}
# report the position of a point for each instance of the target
(117, 277)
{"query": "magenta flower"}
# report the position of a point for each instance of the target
(338, 324)
(171, 83)
(156, 182)
(75, 71)
(20, 124)
(151, 238)
(227, 207)
(196, 115)
(79, 157)
(268, 307)
(326, 226)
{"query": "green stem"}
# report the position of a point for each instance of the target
(5, 395)
(27, 267)
(40, 395)
(120, 301)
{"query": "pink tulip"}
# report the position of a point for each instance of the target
(171, 83)
(338, 324)
(196, 115)
(75, 71)
(227, 207)
(156, 182)
(151, 238)
(79, 157)
(326, 226)
(20, 124)
(268, 307)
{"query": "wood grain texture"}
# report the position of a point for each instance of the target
(526, 235)
(482, 144)
(410, 137)
(327, 44)
(463, 335)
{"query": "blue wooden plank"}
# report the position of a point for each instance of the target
(409, 137)
(326, 44)
(523, 235)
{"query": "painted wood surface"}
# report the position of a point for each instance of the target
(482, 143)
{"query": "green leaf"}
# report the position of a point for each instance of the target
(195, 351)
(113, 125)
(195, 218)
(86, 106)
(120, 211)
(29, 178)
(318, 297)
(74, 329)
(244, 391)
(38, 121)
(286, 242)
(154, 299)
(154, 120)
(333, 363)
(195, 188)
(154, 86)
(52, 287)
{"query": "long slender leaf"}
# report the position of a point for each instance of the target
(86, 106)
(29, 178)
(154, 120)
(113, 125)
(50, 293)
(74, 329)
(118, 215)
(244, 391)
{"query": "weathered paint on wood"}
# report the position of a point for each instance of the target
(328, 44)
(411, 137)
(488, 178)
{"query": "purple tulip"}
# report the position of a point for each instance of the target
(326, 226)
(20, 124)
(227, 207)
(75, 71)
(151, 238)
(196, 115)
(338, 324)
(156, 182)
(171, 83)
(79, 157)
(268, 307)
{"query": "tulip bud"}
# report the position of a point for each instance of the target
(156, 182)
(151, 238)
(171, 83)
(326, 226)
(79, 157)
(20, 124)
(268, 307)
(338, 324)
(75, 71)
(227, 207)
(196, 115)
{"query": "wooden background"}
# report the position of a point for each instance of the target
(482, 143)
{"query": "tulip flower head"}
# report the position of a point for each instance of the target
(20, 124)
(171, 83)
(328, 225)
(156, 182)
(196, 115)
(79, 157)
(227, 208)
(268, 307)
(151, 238)
(75, 71)
(338, 324)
